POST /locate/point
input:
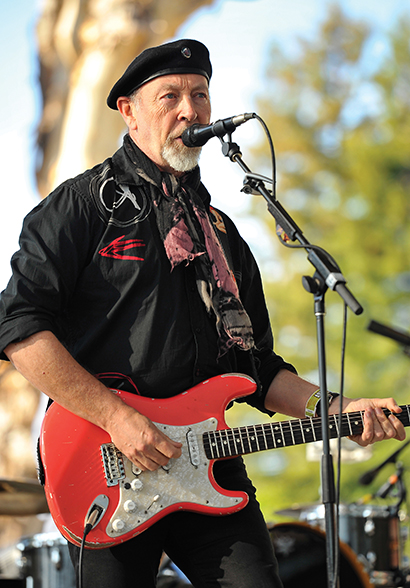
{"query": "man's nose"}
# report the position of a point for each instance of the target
(187, 109)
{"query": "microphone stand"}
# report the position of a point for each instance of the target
(327, 275)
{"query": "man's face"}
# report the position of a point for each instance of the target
(163, 109)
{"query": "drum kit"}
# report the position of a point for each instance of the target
(371, 540)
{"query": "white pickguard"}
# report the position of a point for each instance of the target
(185, 480)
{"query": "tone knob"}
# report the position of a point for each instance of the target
(136, 484)
(118, 525)
(129, 506)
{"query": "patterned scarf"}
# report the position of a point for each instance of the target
(189, 237)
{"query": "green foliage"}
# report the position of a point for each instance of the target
(340, 118)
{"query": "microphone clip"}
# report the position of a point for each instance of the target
(252, 181)
(230, 149)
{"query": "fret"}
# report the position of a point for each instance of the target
(286, 434)
(362, 419)
(272, 432)
(253, 439)
(256, 436)
(345, 426)
(215, 446)
(282, 432)
(219, 442)
(302, 431)
(245, 440)
(265, 440)
(313, 430)
(260, 437)
(408, 415)
(349, 423)
(208, 445)
(317, 426)
(291, 432)
(332, 428)
(238, 441)
(248, 440)
(235, 450)
(205, 442)
(269, 435)
(309, 431)
(255, 429)
(336, 419)
(226, 445)
(359, 424)
(277, 433)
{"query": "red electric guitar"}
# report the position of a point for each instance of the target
(84, 471)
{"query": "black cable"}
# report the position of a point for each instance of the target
(339, 446)
(80, 561)
(91, 521)
(272, 151)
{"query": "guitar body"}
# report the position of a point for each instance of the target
(83, 468)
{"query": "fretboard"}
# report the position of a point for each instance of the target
(252, 438)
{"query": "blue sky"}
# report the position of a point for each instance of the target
(237, 32)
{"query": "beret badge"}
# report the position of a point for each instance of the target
(186, 52)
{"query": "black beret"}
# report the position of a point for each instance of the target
(179, 57)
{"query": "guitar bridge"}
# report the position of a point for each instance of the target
(113, 464)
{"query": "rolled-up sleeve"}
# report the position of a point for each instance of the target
(54, 245)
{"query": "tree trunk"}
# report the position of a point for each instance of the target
(83, 48)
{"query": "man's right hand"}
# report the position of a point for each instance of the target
(140, 440)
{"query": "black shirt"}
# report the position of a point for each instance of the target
(92, 269)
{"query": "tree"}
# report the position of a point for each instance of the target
(83, 47)
(341, 135)
(340, 115)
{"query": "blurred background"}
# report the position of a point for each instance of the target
(332, 82)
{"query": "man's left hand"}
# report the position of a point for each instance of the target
(377, 426)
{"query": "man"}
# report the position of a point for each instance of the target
(123, 281)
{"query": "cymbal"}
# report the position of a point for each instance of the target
(296, 510)
(22, 497)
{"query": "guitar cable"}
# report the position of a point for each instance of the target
(92, 519)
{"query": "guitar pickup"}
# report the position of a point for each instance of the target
(193, 448)
(113, 464)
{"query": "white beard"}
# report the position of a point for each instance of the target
(180, 157)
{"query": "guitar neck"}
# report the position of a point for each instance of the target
(253, 438)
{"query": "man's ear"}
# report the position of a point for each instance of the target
(127, 111)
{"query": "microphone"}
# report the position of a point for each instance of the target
(384, 490)
(386, 331)
(370, 475)
(197, 135)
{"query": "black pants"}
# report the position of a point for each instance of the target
(233, 551)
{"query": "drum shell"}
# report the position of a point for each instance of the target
(301, 553)
(372, 531)
(46, 560)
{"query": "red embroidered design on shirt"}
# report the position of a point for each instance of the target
(117, 249)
